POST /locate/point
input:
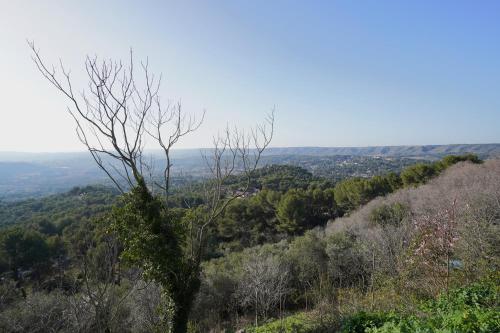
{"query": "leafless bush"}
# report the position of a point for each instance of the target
(39, 312)
(264, 284)
(144, 304)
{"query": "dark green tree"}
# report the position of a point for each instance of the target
(250, 222)
(350, 194)
(25, 248)
(292, 212)
(450, 160)
(418, 174)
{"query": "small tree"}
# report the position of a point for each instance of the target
(114, 118)
(436, 236)
(309, 266)
(292, 212)
(264, 285)
(25, 249)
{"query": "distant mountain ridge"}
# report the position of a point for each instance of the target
(484, 150)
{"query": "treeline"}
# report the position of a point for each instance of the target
(287, 205)
(353, 193)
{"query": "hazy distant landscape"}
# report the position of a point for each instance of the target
(29, 175)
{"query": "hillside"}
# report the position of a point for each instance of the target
(380, 265)
(324, 256)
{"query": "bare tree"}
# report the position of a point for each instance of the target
(114, 117)
(264, 285)
(144, 303)
(437, 235)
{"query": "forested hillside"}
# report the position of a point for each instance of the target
(72, 206)
(311, 254)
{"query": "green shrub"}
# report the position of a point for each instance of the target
(478, 295)
(468, 309)
(362, 321)
(299, 323)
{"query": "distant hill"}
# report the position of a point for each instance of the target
(483, 150)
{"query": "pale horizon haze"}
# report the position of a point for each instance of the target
(338, 73)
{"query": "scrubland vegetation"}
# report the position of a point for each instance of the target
(410, 252)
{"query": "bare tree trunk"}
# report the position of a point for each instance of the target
(373, 272)
(256, 309)
(305, 293)
(281, 313)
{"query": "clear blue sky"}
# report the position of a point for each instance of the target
(340, 73)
